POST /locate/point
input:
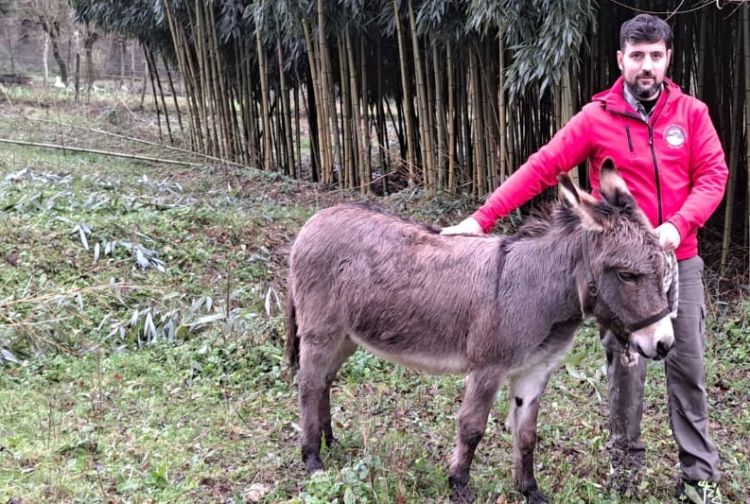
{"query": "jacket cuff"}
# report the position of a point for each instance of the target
(486, 221)
(681, 224)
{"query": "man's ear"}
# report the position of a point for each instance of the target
(580, 202)
(620, 57)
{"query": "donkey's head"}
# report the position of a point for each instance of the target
(623, 266)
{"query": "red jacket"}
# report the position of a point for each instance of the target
(674, 164)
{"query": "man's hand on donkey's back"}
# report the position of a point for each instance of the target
(466, 226)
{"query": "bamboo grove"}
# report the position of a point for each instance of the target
(449, 95)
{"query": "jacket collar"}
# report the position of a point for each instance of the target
(613, 99)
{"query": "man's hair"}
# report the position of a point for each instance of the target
(645, 28)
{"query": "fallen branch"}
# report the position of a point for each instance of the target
(100, 152)
(139, 140)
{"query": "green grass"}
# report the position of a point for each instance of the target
(134, 385)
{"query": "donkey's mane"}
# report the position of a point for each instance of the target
(547, 218)
(542, 220)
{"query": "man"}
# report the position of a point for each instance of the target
(668, 152)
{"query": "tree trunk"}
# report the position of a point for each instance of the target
(77, 79)
(45, 59)
(88, 46)
(53, 38)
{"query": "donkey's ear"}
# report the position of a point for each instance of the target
(568, 191)
(582, 203)
(613, 188)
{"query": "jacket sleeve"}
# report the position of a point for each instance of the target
(708, 176)
(569, 147)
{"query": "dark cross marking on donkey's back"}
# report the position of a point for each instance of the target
(471, 304)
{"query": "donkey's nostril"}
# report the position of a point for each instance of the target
(662, 349)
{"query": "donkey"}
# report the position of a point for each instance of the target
(493, 307)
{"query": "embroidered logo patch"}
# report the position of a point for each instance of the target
(675, 136)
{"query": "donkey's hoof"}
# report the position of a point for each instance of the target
(536, 497)
(330, 440)
(462, 495)
(313, 464)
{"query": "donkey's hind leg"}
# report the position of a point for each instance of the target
(526, 389)
(320, 357)
(481, 387)
(348, 347)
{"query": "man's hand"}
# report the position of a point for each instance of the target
(669, 237)
(466, 226)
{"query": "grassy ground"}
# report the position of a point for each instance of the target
(141, 355)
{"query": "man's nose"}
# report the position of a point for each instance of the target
(648, 64)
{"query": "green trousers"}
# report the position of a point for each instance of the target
(686, 388)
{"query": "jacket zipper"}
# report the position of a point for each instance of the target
(630, 141)
(656, 171)
(657, 178)
(650, 124)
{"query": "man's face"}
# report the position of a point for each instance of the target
(644, 65)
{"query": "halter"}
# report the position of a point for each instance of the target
(621, 329)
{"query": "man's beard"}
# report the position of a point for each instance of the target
(644, 93)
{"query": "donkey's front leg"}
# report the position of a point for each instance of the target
(526, 390)
(481, 387)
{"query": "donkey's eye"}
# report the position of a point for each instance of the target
(627, 276)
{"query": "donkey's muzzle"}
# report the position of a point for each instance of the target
(654, 341)
(662, 349)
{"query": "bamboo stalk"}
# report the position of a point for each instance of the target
(424, 115)
(285, 108)
(151, 73)
(439, 120)
(315, 75)
(327, 92)
(366, 160)
(746, 54)
(161, 95)
(734, 154)
(346, 106)
(502, 111)
(357, 127)
(266, 118)
(451, 120)
(409, 137)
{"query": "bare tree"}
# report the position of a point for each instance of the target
(54, 17)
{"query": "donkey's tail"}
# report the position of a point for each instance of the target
(292, 339)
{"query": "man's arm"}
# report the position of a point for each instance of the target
(569, 147)
(708, 173)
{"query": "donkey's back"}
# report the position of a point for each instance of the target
(395, 287)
